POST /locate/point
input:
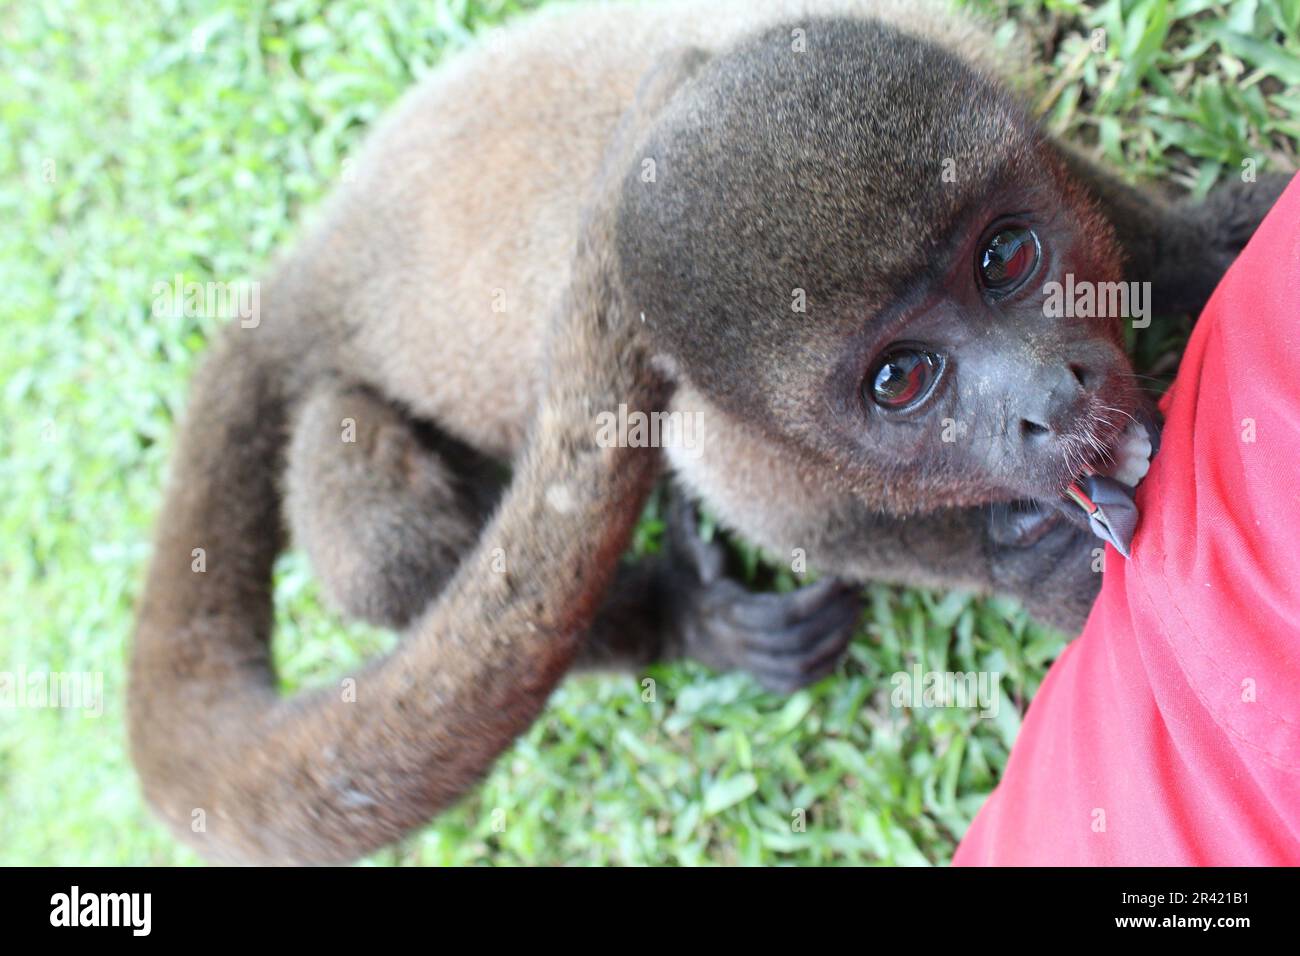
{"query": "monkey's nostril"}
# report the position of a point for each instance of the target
(1030, 430)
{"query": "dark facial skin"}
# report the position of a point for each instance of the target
(1009, 402)
(886, 250)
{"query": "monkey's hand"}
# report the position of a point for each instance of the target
(1051, 564)
(1202, 238)
(1229, 215)
(786, 641)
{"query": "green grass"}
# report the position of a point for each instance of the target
(146, 140)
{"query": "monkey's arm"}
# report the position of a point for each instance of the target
(1181, 247)
(681, 603)
(1024, 550)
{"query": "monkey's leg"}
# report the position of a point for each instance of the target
(1181, 247)
(384, 508)
(683, 604)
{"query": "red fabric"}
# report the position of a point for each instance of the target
(1145, 724)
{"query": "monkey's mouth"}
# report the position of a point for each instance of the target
(1108, 443)
(1103, 494)
(1099, 497)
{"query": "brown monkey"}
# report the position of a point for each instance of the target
(639, 191)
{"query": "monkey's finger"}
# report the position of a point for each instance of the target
(807, 599)
(785, 644)
(808, 636)
(766, 611)
(706, 557)
(787, 674)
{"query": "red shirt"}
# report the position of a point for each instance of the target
(1169, 731)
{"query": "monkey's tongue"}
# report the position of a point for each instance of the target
(1107, 500)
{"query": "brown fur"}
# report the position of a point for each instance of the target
(322, 777)
(504, 179)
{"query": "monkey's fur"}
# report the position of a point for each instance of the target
(515, 175)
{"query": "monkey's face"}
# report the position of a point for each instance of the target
(976, 377)
(851, 249)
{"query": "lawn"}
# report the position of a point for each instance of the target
(146, 140)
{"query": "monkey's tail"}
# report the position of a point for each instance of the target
(246, 775)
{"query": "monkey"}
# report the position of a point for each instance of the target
(611, 207)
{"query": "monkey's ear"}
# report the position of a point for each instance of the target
(666, 76)
(670, 72)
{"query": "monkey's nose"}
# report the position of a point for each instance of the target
(1031, 430)
(1051, 403)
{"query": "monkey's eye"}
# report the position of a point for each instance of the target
(1007, 259)
(903, 377)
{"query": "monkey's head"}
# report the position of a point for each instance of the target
(848, 247)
